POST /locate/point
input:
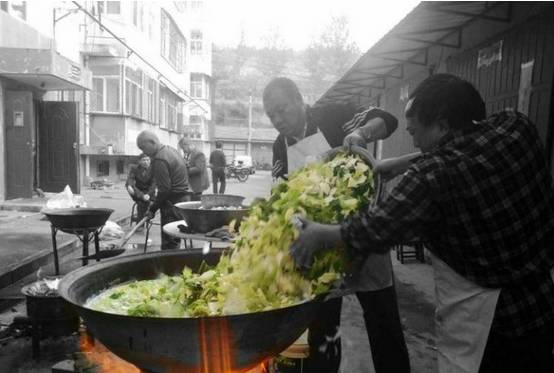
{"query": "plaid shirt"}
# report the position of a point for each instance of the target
(483, 202)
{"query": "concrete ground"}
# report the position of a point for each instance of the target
(414, 286)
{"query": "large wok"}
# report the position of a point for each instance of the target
(208, 344)
(71, 219)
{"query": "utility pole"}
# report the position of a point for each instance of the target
(249, 151)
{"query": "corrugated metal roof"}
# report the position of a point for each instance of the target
(430, 23)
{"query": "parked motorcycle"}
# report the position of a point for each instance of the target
(239, 173)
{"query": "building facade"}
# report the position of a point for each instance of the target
(158, 80)
(39, 126)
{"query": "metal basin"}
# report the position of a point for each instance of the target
(192, 345)
(213, 200)
(77, 218)
(205, 220)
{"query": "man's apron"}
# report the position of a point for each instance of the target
(463, 319)
(375, 273)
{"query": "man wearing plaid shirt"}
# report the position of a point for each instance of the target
(481, 198)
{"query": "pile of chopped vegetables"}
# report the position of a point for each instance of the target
(259, 273)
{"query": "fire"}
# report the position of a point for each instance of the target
(215, 350)
(96, 353)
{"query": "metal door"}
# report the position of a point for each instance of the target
(58, 146)
(19, 123)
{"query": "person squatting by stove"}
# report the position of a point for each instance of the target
(140, 184)
(169, 172)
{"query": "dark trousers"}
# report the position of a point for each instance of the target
(168, 214)
(142, 207)
(218, 175)
(196, 196)
(531, 353)
(383, 328)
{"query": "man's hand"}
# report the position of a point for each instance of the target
(392, 167)
(130, 190)
(149, 214)
(313, 238)
(277, 169)
(354, 138)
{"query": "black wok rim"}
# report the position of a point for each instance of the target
(68, 279)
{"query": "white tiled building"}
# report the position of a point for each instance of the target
(160, 83)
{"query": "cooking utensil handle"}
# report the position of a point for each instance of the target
(133, 231)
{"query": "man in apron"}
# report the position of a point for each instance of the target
(305, 133)
(481, 197)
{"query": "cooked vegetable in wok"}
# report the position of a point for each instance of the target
(258, 274)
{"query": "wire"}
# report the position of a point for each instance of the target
(137, 54)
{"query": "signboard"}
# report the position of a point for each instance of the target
(525, 82)
(18, 118)
(487, 56)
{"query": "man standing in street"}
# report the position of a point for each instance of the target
(196, 163)
(305, 132)
(169, 172)
(218, 164)
(481, 198)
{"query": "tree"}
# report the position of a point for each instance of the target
(330, 55)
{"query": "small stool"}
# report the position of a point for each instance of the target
(292, 359)
(134, 215)
(410, 250)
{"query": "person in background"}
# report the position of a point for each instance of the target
(304, 132)
(140, 184)
(218, 164)
(169, 172)
(480, 196)
(197, 171)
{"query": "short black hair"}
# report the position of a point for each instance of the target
(446, 96)
(283, 84)
(218, 144)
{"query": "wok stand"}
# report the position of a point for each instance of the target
(84, 235)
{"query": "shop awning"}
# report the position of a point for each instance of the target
(44, 69)
(429, 24)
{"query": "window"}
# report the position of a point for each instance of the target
(196, 5)
(15, 8)
(196, 86)
(105, 94)
(133, 92)
(163, 119)
(138, 15)
(173, 44)
(171, 110)
(150, 91)
(97, 95)
(109, 7)
(196, 42)
(120, 166)
(102, 168)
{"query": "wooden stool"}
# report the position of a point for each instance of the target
(292, 359)
(411, 250)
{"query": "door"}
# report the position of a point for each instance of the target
(19, 121)
(58, 146)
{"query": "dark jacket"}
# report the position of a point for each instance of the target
(170, 175)
(141, 180)
(198, 174)
(335, 122)
(217, 160)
